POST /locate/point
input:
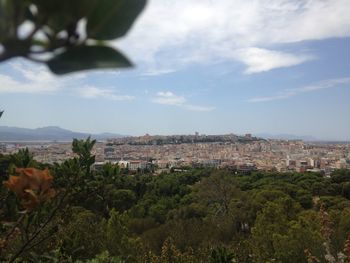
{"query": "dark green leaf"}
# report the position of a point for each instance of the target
(87, 57)
(62, 13)
(12, 14)
(16, 47)
(29, 15)
(113, 18)
(76, 8)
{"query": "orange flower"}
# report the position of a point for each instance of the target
(32, 186)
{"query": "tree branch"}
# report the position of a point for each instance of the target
(34, 236)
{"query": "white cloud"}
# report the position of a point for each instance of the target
(287, 93)
(27, 78)
(270, 98)
(260, 60)
(169, 98)
(10, 85)
(172, 34)
(33, 74)
(197, 108)
(90, 92)
(31, 80)
(156, 72)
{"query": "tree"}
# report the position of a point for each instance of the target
(56, 32)
(302, 234)
(217, 191)
(23, 158)
(346, 190)
(103, 258)
(342, 230)
(118, 240)
(84, 234)
(221, 255)
(304, 198)
(38, 204)
(121, 199)
(83, 149)
(41, 208)
(269, 222)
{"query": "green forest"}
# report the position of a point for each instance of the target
(70, 213)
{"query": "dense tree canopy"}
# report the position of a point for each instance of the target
(202, 215)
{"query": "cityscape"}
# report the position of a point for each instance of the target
(163, 153)
(175, 131)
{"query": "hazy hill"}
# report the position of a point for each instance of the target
(51, 133)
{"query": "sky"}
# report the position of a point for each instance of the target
(215, 67)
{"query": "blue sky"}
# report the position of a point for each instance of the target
(215, 67)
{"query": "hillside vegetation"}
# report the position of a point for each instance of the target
(70, 213)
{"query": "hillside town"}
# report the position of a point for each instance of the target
(162, 153)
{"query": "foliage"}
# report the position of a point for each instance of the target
(83, 234)
(71, 34)
(32, 186)
(45, 208)
(199, 215)
(104, 257)
(221, 255)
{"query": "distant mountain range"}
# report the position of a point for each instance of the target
(54, 133)
(51, 133)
